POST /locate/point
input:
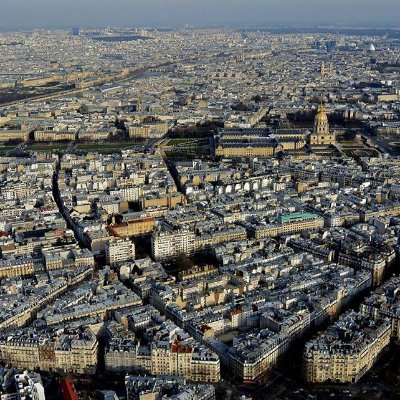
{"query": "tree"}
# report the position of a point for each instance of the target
(183, 263)
(83, 109)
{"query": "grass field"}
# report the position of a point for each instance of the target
(356, 149)
(187, 142)
(50, 146)
(5, 149)
(185, 154)
(104, 146)
(175, 142)
(360, 152)
(185, 148)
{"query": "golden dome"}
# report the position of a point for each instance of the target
(321, 115)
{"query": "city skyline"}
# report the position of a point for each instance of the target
(24, 14)
(199, 200)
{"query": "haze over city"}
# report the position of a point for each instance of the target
(19, 14)
(199, 200)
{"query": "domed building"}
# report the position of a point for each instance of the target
(321, 135)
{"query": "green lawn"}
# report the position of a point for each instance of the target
(196, 152)
(186, 148)
(175, 142)
(101, 146)
(51, 146)
(360, 152)
(188, 142)
(5, 149)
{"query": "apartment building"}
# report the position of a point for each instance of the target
(347, 350)
(169, 243)
(119, 250)
(66, 352)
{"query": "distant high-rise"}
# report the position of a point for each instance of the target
(240, 57)
(75, 32)
(330, 45)
(326, 69)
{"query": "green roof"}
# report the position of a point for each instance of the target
(297, 217)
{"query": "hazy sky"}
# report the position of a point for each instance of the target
(15, 14)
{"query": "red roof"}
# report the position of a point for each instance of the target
(177, 348)
(68, 390)
(112, 231)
